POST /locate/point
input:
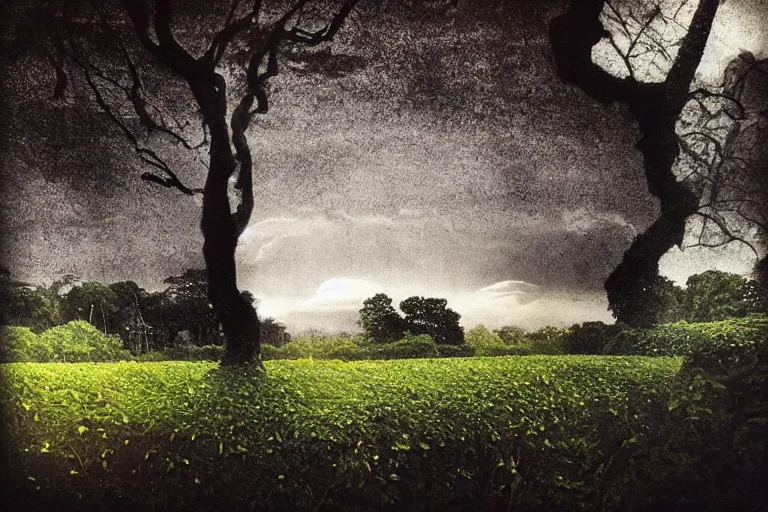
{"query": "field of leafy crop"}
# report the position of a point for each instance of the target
(531, 432)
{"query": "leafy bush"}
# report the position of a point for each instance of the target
(708, 448)
(206, 353)
(77, 341)
(590, 337)
(455, 350)
(548, 340)
(269, 352)
(680, 339)
(487, 344)
(152, 356)
(410, 347)
(20, 344)
(316, 348)
(184, 353)
(528, 433)
(348, 351)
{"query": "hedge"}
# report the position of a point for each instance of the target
(680, 339)
(530, 433)
(77, 341)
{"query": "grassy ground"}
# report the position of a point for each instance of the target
(416, 434)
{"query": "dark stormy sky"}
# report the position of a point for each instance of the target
(448, 160)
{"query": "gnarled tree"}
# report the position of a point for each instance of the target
(138, 58)
(727, 161)
(637, 33)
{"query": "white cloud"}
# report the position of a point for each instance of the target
(342, 293)
(509, 288)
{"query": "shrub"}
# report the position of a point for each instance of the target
(151, 356)
(548, 340)
(456, 350)
(681, 338)
(410, 347)
(269, 352)
(78, 341)
(317, 348)
(708, 448)
(347, 351)
(489, 344)
(22, 345)
(206, 353)
(590, 337)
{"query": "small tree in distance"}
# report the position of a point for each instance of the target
(380, 321)
(432, 316)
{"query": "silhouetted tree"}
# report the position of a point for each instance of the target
(189, 306)
(273, 332)
(379, 320)
(656, 105)
(590, 337)
(432, 316)
(200, 74)
(93, 302)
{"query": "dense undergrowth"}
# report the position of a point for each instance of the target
(681, 338)
(422, 434)
(471, 433)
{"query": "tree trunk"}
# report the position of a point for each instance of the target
(221, 231)
(630, 287)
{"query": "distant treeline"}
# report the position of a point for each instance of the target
(145, 321)
(168, 322)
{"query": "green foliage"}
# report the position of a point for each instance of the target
(273, 332)
(456, 350)
(512, 335)
(80, 341)
(681, 339)
(655, 300)
(379, 320)
(708, 451)
(269, 352)
(756, 296)
(528, 433)
(590, 337)
(433, 317)
(184, 353)
(487, 343)
(548, 340)
(37, 308)
(90, 301)
(152, 356)
(22, 345)
(74, 342)
(715, 295)
(317, 348)
(410, 347)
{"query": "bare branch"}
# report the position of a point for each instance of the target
(221, 40)
(167, 50)
(729, 236)
(171, 181)
(148, 156)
